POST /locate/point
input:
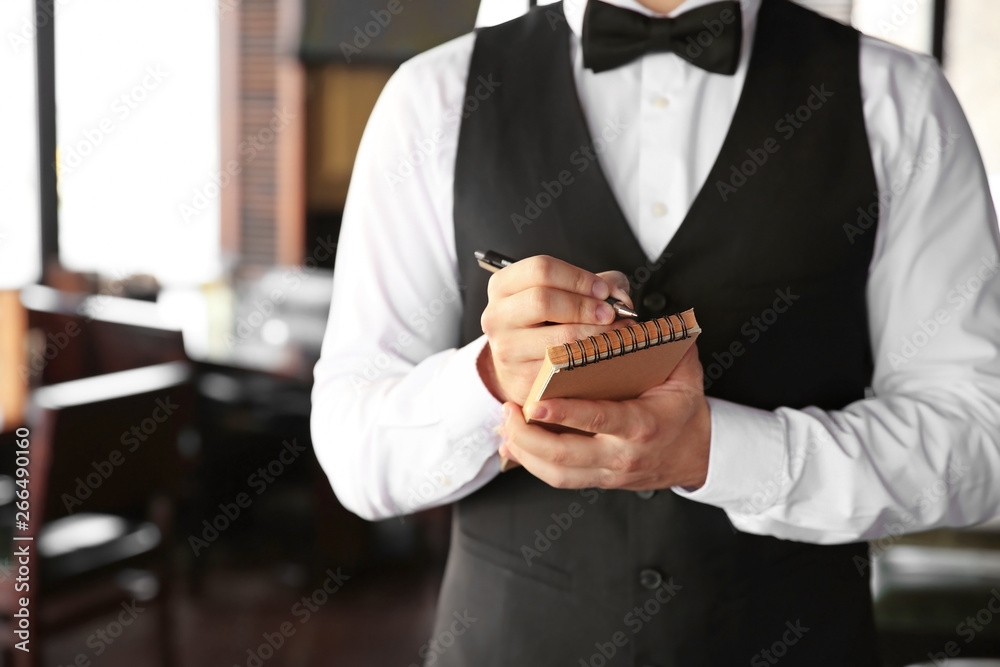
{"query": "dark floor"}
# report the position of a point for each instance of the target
(235, 610)
(382, 614)
(378, 618)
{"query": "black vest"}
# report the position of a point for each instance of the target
(595, 577)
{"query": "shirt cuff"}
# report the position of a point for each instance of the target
(746, 460)
(475, 413)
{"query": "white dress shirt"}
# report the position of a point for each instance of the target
(402, 421)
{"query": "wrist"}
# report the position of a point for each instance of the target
(698, 439)
(488, 373)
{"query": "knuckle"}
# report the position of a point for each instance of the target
(598, 422)
(621, 280)
(492, 286)
(500, 352)
(609, 479)
(559, 457)
(488, 321)
(542, 268)
(559, 480)
(559, 334)
(588, 310)
(643, 427)
(539, 300)
(626, 462)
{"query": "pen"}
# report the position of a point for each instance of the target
(494, 261)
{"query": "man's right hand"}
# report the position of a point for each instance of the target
(532, 293)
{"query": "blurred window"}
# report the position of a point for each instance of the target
(137, 128)
(909, 23)
(20, 261)
(972, 65)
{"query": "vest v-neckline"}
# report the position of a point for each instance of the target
(624, 230)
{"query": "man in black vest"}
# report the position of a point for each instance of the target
(817, 199)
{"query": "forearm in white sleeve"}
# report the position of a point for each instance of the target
(924, 451)
(401, 420)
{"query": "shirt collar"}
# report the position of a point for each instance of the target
(574, 11)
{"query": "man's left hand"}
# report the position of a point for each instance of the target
(658, 440)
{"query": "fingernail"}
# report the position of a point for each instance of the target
(540, 413)
(605, 313)
(506, 411)
(601, 289)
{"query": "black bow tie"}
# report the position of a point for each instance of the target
(708, 36)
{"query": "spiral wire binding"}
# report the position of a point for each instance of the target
(621, 350)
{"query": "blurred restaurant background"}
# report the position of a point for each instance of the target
(171, 186)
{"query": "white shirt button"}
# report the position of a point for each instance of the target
(659, 210)
(661, 102)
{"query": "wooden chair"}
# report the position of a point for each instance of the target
(73, 336)
(104, 470)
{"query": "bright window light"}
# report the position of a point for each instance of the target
(20, 262)
(138, 138)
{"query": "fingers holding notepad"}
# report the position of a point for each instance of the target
(656, 440)
(540, 291)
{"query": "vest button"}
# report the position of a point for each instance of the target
(646, 495)
(650, 579)
(654, 302)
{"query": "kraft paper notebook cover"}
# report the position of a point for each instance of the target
(617, 365)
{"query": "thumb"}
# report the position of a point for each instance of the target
(619, 285)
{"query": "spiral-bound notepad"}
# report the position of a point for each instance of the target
(617, 365)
